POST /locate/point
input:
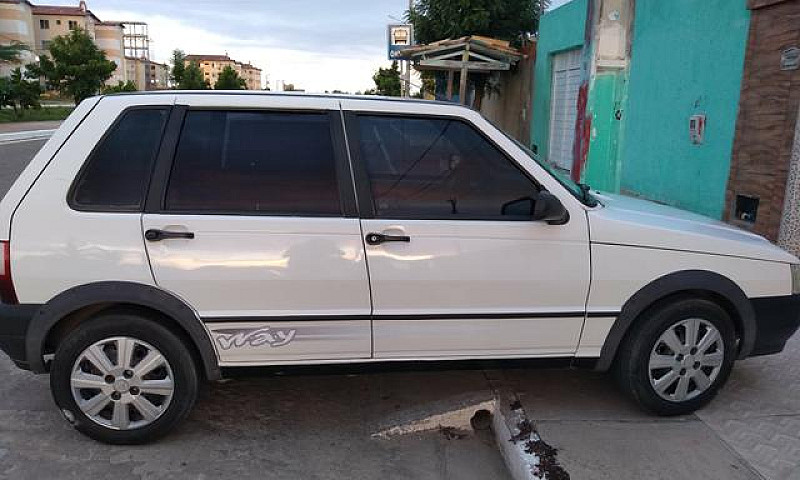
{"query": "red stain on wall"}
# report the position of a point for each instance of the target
(583, 125)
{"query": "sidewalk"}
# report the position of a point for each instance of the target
(13, 127)
(750, 431)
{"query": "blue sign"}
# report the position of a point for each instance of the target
(399, 37)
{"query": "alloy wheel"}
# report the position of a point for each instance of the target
(122, 383)
(686, 359)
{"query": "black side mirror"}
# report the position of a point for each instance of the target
(543, 206)
(548, 208)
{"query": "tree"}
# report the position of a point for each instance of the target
(19, 92)
(5, 92)
(193, 78)
(387, 81)
(11, 53)
(178, 67)
(504, 19)
(75, 66)
(230, 80)
(120, 87)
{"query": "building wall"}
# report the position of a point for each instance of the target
(607, 98)
(559, 30)
(687, 58)
(213, 66)
(59, 25)
(16, 26)
(768, 114)
(109, 39)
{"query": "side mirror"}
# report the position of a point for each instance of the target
(543, 206)
(548, 208)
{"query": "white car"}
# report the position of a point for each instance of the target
(157, 239)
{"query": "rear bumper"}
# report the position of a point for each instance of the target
(14, 321)
(777, 319)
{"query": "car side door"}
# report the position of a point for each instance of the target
(457, 267)
(251, 220)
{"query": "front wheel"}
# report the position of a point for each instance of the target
(123, 379)
(678, 356)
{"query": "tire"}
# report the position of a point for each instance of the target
(667, 382)
(154, 400)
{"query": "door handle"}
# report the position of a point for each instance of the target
(156, 235)
(378, 238)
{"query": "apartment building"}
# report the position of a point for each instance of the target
(212, 66)
(36, 25)
(147, 74)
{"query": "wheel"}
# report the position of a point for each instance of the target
(677, 356)
(123, 379)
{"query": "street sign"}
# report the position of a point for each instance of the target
(399, 37)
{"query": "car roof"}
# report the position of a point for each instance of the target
(288, 94)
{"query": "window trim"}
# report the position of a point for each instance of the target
(157, 196)
(366, 202)
(90, 157)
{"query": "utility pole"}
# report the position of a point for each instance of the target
(408, 62)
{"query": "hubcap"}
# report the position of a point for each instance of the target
(686, 360)
(122, 383)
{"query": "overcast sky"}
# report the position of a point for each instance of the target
(316, 44)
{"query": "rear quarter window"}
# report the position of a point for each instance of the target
(116, 174)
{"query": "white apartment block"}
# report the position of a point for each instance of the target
(36, 25)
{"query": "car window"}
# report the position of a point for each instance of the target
(437, 168)
(254, 162)
(118, 171)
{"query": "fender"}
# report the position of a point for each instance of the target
(677, 282)
(131, 293)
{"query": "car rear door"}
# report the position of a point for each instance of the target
(453, 271)
(252, 221)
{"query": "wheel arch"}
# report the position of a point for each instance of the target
(698, 283)
(76, 304)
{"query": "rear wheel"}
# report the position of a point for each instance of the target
(678, 356)
(121, 378)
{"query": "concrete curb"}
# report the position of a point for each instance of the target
(525, 454)
(504, 427)
(25, 136)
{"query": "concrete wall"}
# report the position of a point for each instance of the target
(559, 30)
(687, 58)
(608, 93)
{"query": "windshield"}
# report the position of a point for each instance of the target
(578, 190)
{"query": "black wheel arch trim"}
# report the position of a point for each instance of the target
(129, 293)
(674, 283)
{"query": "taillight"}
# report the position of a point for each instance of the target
(7, 293)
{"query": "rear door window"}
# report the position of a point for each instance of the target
(248, 162)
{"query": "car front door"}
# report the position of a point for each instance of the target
(253, 223)
(457, 270)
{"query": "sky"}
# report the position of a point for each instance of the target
(317, 45)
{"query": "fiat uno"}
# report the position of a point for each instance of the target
(158, 239)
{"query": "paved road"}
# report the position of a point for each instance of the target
(322, 426)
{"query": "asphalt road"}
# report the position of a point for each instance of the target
(14, 157)
(322, 427)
